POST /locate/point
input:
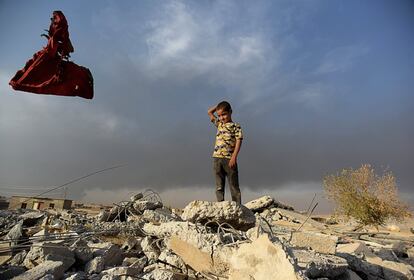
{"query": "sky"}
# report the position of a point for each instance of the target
(317, 86)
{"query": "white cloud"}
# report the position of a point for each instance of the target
(172, 35)
(313, 95)
(180, 37)
(341, 59)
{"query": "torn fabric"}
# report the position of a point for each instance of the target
(50, 71)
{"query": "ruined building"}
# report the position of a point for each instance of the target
(38, 203)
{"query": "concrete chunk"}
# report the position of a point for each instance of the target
(15, 234)
(136, 197)
(95, 265)
(56, 268)
(111, 253)
(259, 204)
(238, 216)
(142, 205)
(119, 271)
(397, 270)
(80, 275)
(49, 251)
(192, 256)
(161, 274)
(261, 260)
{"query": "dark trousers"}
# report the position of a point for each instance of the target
(221, 171)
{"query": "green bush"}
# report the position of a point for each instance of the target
(369, 198)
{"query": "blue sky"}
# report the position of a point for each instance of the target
(317, 86)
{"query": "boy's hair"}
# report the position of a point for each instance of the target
(224, 105)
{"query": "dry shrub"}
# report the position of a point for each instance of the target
(369, 198)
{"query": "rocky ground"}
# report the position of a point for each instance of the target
(142, 239)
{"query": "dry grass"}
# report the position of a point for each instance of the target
(369, 198)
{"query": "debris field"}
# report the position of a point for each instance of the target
(143, 239)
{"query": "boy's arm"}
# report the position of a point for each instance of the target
(211, 112)
(233, 160)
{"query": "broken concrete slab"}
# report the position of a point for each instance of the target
(130, 243)
(32, 218)
(96, 265)
(259, 204)
(186, 231)
(173, 261)
(15, 234)
(400, 249)
(110, 253)
(319, 242)
(103, 216)
(362, 265)
(161, 274)
(41, 252)
(48, 277)
(198, 260)
(150, 249)
(142, 205)
(318, 265)
(56, 268)
(159, 216)
(11, 271)
(82, 252)
(397, 270)
(136, 197)
(138, 263)
(291, 215)
(238, 216)
(386, 254)
(117, 272)
(80, 275)
(353, 248)
(261, 260)
(18, 258)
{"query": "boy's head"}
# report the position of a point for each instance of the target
(224, 111)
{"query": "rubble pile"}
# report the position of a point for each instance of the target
(143, 239)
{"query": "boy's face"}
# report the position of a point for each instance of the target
(224, 116)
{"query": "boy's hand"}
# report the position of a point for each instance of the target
(211, 112)
(233, 162)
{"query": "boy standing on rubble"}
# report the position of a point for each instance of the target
(229, 137)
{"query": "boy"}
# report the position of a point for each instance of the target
(229, 137)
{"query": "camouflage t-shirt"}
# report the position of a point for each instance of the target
(226, 136)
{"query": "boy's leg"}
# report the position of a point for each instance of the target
(233, 177)
(220, 178)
